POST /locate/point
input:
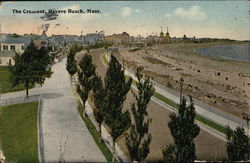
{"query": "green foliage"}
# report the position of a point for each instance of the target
(116, 88)
(238, 144)
(168, 153)
(184, 130)
(75, 48)
(5, 82)
(18, 132)
(30, 67)
(71, 62)
(85, 76)
(101, 45)
(99, 94)
(139, 139)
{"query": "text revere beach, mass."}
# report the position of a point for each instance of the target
(53, 11)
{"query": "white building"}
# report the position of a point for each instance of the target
(7, 57)
(19, 48)
(17, 44)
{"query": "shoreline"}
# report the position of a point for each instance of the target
(204, 51)
(228, 91)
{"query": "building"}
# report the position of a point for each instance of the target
(164, 38)
(14, 43)
(41, 43)
(153, 39)
(92, 38)
(118, 39)
(6, 57)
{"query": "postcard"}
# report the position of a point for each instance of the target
(124, 81)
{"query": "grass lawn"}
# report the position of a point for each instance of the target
(18, 132)
(95, 134)
(5, 84)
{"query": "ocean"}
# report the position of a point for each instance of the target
(236, 52)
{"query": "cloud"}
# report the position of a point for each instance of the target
(194, 12)
(49, 16)
(126, 11)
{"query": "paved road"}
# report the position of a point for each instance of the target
(65, 136)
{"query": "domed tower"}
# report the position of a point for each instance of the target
(167, 36)
(161, 34)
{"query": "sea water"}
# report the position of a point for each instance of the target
(236, 52)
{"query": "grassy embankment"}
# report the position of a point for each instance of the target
(199, 118)
(5, 83)
(18, 132)
(95, 134)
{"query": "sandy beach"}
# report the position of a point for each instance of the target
(220, 83)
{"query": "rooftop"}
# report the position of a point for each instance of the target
(8, 39)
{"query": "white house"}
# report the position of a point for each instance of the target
(19, 48)
(6, 57)
(16, 44)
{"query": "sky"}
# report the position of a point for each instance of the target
(214, 19)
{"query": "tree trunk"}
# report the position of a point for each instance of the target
(84, 108)
(113, 159)
(100, 131)
(27, 88)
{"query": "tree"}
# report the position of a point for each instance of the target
(139, 139)
(116, 88)
(71, 62)
(99, 94)
(33, 66)
(85, 76)
(238, 144)
(184, 130)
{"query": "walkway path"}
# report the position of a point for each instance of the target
(65, 136)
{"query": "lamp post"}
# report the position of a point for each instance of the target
(181, 85)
